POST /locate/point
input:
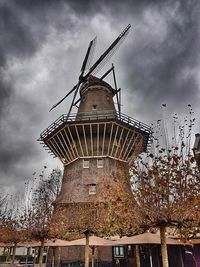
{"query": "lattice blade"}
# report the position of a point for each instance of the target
(65, 96)
(88, 56)
(109, 52)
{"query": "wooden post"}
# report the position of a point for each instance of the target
(8, 254)
(164, 246)
(87, 249)
(13, 254)
(53, 257)
(181, 257)
(35, 258)
(93, 251)
(41, 250)
(57, 256)
(137, 255)
(150, 257)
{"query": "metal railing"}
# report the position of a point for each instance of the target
(18, 264)
(90, 117)
(82, 264)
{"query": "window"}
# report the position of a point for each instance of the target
(94, 107)
(92, 189)
(119, 252)
(99, 163)
(86, 163)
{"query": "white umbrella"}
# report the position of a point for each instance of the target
(47, 243)
(146, 238)
(93, 241)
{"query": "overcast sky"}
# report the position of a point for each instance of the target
(42, 46)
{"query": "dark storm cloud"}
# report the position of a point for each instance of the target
(16, 40)
(167, 70)
(24, 29)
(16, 36)
(19, 39)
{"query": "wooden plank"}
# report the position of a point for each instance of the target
(127, 150)
(122, 131)
(65, 153)
(71, 150)
(73, 141)
(138, 145)
(124, 143)
(110, 138)
(97, 139)
(114, 141)
(91, 140)
(86, 146)
(55, 151)
(67, 150)
(103, 141)
(55, 143)
(78, 136)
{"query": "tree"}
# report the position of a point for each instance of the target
(165, 185)
(119, 217)
(3, 201)
(40, 209)
(12, 223)
(167, 191)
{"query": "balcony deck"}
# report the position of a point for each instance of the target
(95, 117)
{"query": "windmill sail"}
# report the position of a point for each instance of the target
(96, 66)
(91, 54)
(88, 56)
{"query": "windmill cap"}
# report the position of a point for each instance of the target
(94, 81)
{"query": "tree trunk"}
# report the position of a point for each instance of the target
(87, 249)
(137, 255)
(150, 257)
(8, 254)
(57, 256)
(53, 257)
(41, 250)
(93, 255)
(4, 251)
(27, 254)
(35, 258)
(164, 254)
(13, 254)
(181, 257)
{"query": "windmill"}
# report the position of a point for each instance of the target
(101, 61)
(95, 145)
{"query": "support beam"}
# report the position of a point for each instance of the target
(103, 141)
(111, 131)
(124, 144)
(73, 141)
(77, 133)
(84, 136)
(71, 150)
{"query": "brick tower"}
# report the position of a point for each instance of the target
(96, 144)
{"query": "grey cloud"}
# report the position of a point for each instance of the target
(17, 40)
(15, 35)
(23, 29)
(167, 71)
